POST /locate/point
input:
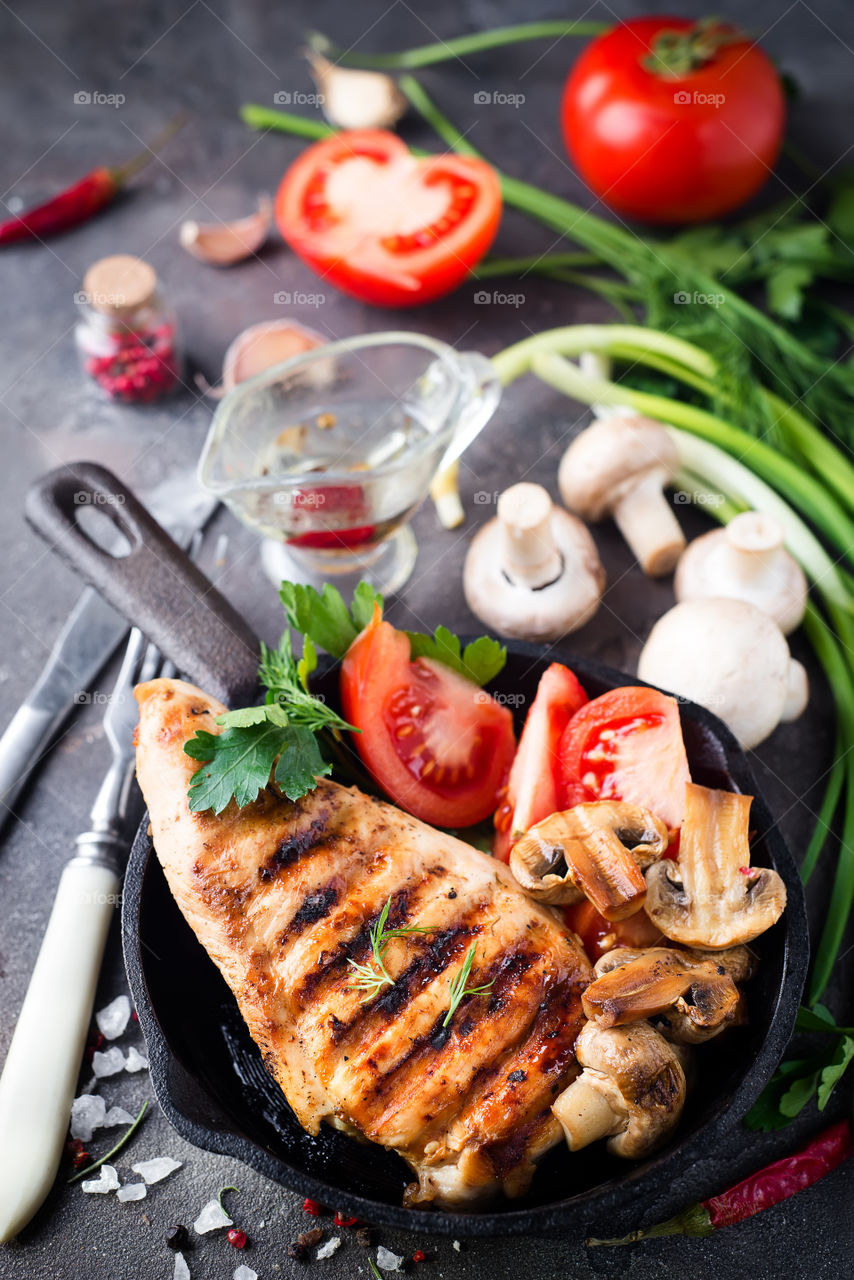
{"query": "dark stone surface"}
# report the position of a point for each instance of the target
(210, 58)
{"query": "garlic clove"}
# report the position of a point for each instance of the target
(263, 345)
(353, 99)
(223, 243)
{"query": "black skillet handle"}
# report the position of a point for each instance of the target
(157, 587)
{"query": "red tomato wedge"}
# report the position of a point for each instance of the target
(383, 225)
(534, 788)
(627, 745)
(434, 741)
(599, 935)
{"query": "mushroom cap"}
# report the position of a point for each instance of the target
(547, 612)
(596, 850)
(712, 898)
(728, 656)
(663, 980)
(746, 561)
(611, 457)
(648, 1074)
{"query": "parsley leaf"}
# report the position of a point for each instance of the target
(480, 661)
(324, 618)
(799, 1080)
(835, 1070)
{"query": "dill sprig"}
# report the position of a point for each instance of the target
(373, 976)
(459, 990)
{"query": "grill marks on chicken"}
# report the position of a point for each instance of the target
(283, 895)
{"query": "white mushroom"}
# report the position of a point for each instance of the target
(619, 466)
(747, 561)
(632, 1090)
(533, 572)
(730, 657)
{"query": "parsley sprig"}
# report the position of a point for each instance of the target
(798, 1080)
(294, 733)
(458, 988)
(279, 737)
(373, 976)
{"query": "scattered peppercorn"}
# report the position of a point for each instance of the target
(312, 1207)
(419, 1256)
(80, 1159)
(299, 1248)
(237, 1238)
(364, 1237)
(134, 1016)
(341, 1221)
(178, 1237)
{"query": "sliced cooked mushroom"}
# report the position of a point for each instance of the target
(619, 466)
(746, 561)
(533, 572)
(712, 897)
(596, 851)
(693, 987)
(632, 1090)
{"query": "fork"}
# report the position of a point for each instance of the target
(39, 1077)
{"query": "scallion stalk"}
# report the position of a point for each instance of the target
(458, 47)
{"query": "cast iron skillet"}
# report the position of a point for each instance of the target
(207, 1073)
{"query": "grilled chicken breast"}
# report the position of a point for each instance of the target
(282, 895)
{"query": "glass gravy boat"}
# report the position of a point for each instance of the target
(329, 453)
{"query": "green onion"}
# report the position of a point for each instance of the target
(444, 50)
(113, 1151)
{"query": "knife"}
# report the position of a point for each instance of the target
(87, 641)
(89, 637)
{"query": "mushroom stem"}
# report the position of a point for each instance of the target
(751, 543)
(646, 521)
(797, 691)
(586, 1114)
(531, 557)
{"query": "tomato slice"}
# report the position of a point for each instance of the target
(627, 745)
(599, 935)
(384, 226)
(434, 741)
(533, 791)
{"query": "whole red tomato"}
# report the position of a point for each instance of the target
(669, 120)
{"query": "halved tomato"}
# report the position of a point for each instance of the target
(627, 745)
(599, 935)
(434, 741)
(533, 791)
(383, 225)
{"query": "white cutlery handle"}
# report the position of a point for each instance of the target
(43, 1063)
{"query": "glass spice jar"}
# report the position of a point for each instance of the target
(126, 334)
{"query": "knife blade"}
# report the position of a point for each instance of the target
(88, 640)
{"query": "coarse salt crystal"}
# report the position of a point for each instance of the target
(135, 1061)
(327, 1250)
(182, 1271)
(387, 1260)
(113, 1018)
(117, 1115)
(133, 1191)
(108, 1180)
(109, 1063)
(157, 1169)
(211, 1217)
(87, 1114)
(456, 1245)
(245, 1273)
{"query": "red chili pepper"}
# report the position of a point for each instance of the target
(82, 199)
(341, 1221)
(759, 1191)
(312, 1207)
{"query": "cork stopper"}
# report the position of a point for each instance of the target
(119, 285)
